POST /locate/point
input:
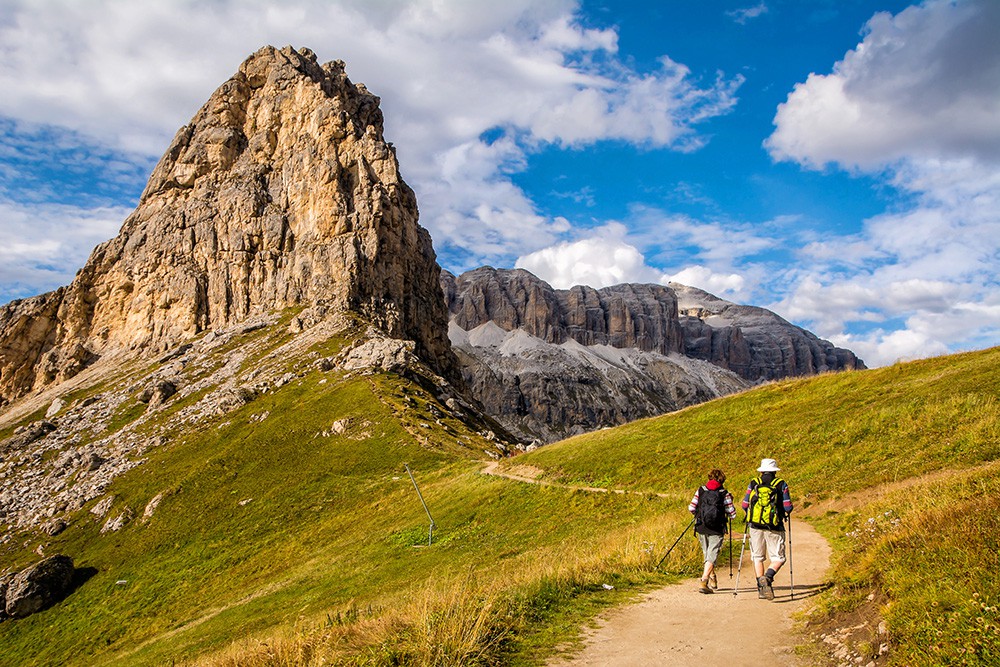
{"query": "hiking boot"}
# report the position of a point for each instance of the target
(768, 588)
(762, 588)
(703, 586)
(713, 581)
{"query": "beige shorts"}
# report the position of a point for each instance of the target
(771, 541)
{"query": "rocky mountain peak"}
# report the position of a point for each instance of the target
(280, 192)
(549, 363)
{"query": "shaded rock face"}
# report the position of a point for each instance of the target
(281, 191)
(604, 357)
(753, 342)
(639, 316)
(37, 587)
(544, 391)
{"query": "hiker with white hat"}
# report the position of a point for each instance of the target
(767, 503)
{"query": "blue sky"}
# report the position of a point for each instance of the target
(837, 161)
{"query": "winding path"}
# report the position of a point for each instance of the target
(680, 627)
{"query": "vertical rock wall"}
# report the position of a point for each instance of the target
(281, 191)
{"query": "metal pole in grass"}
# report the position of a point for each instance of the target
(430, 533)
(674, 544)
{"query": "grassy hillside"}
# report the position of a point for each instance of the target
(897, 466)
(272, 523)
(275, 544)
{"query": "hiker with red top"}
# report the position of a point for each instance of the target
(712, 507)
(767, 503)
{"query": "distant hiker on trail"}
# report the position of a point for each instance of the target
(767, 503)
(712, 507)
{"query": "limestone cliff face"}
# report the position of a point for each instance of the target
(281, 191)
(550, 363)
(637, 316)
(752, 342)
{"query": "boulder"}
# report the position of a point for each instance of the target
(39, 586)
(387, 354)
(4, 583)
(54, 408)
(157, 392)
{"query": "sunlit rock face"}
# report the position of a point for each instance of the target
(280, 192)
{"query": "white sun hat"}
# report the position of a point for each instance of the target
(768, 465)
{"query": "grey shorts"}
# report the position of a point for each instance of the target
(710, 546)
(770, 541)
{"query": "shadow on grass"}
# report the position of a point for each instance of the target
(802, 592)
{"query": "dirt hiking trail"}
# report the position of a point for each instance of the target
(680, 627)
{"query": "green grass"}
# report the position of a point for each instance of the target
(896, 465)
(265, 525)
(834, 434)
(275, 544)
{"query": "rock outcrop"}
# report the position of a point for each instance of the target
(638, 316)
(281, 191)
(753, 342)
(542, 391)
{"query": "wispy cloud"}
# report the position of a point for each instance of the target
(652, 245)
(42, 245)
(741, 16)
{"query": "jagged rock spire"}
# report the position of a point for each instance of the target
(281, 191)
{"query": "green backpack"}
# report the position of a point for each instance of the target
(764, 502)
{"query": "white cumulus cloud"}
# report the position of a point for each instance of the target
(922, 84)
(526, 72)
(916, 103)
(603, 259)
(725, 285)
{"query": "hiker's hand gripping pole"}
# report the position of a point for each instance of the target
(674, 544)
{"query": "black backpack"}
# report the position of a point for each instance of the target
(711, 510)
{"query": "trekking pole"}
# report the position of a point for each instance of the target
(740, 568)
(730, 522)
(791, 570)
(674, 544)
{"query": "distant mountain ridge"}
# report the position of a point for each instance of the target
(551, 363)
(753, 342)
